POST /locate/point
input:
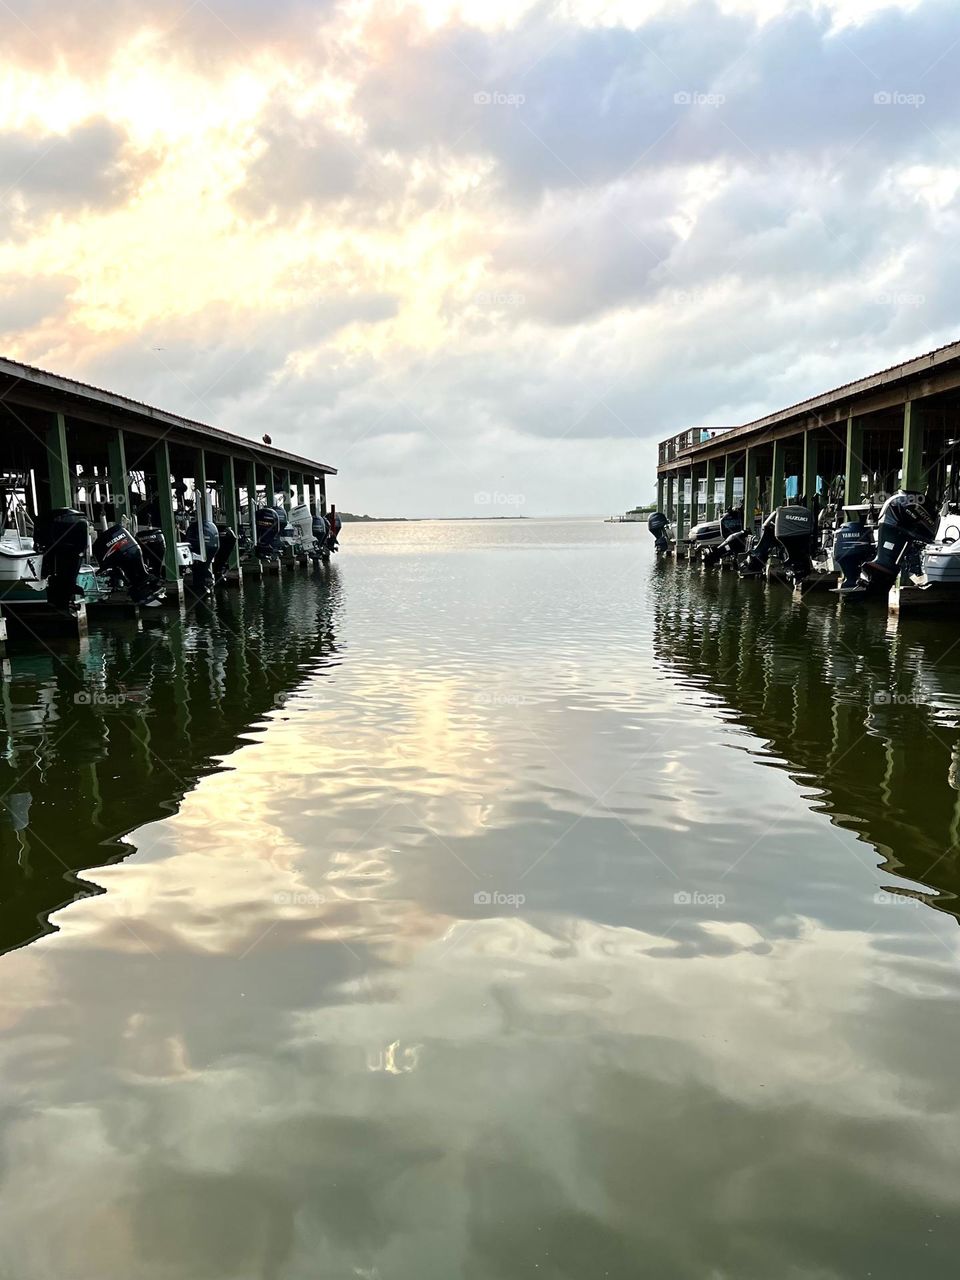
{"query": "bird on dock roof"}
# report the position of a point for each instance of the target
(267, 440)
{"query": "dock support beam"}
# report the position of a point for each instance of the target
(671, 505)
(808, 481)
(853, 473)
(711, 488)
(231, 511)
(778, 490)
(119, 480)
(728, 475)
(253, 568)
(913, 476)
(58, 463)
(750, 490)
(681, 495)
(659, 493)
(168, 523)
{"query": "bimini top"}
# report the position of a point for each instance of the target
(24, 384)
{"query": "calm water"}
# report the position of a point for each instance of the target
(499, 905)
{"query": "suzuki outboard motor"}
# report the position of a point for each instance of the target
(203, 557)
(907, 521)
(853, 546)
(659, 526)
(794, 528)
(118, 553)
(62, 537)
(269, 542)
(154, 547)
(755, 561)
(221, 561)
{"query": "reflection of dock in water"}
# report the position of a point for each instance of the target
(108, 734)
(866, 716)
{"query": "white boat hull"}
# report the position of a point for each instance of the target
(18, 560)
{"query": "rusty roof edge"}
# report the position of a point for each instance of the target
(884, 377)
(72, 386)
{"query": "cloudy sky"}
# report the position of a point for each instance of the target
(483, 248)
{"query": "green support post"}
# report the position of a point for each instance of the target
(58, 463)
(659, 493)
(323, 495)
(808, 481)
(119, 478)
(913, 475)
(252, 501)
(778, 488)
(200, 496)
(680, 505)
(271, 487)
(853, 469)
(231, 510)
(285, 486)
(729, 471)
(168, 523)
(750, 490)
(711, 488)
(671, 507)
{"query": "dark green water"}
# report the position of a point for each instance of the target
(501, 905)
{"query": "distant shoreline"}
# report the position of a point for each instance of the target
(351, 519)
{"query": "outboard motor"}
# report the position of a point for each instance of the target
(221, 561)
(118, 554)
(269, 541)
(203, 557)
(733, 538)
(62, 537)
(853, 546)
(907, 522)
(755, 561)
(794, 528)
(659, 526)
(320, 533)
(154, 547)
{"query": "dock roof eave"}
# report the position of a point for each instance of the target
(924, 375)
(41, 385)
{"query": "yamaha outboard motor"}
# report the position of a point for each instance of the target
(755, 561)
(154, 547)
(659, 526)
(795, 528)
(269, 541)
(853, 546)
(907, 521)
(118, 553)
(221, 561)
(203, 557)
(62, 537)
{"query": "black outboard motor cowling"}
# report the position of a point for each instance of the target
(154, 547)
(755, 561)
(61, 535)
(269, 541)
(118, 553)
(203, 557)
(221, 561)
(795, 528)
(907, 521)
(853, 546)
(659, 526)
(728, 550)
(731, 522)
